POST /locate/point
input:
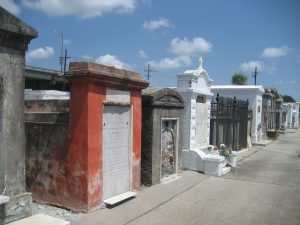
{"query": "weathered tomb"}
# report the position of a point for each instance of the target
(104, 146)
(162, 120)
(15, 35)
(46, 131)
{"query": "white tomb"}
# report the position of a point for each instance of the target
(292, 114)
(254, 95)
(194, 86)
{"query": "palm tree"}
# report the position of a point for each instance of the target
(239, 79)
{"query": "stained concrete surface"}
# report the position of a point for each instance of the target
(264, 190)
(40, 219)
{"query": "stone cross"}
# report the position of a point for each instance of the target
(200, 63)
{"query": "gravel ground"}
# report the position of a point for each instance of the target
(55, 212)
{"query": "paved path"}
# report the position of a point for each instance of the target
(265, 189)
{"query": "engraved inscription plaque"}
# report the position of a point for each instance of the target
(116, 150)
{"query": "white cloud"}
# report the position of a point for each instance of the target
(142, 54)
(169, 63)
(112, 60)
(275, 52)
(195, 47)
(250, 66)
(156, 24)
(10, 6)
(293, 82)
(82, 9)
(184, 50)
(40, 53)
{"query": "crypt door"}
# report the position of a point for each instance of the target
(116, 150)
(168, 148)
(201, 115)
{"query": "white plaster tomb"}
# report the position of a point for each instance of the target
(194, 85)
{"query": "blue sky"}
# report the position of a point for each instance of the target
(230, 35)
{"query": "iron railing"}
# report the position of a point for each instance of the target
(229, 122)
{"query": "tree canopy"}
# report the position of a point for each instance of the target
(287, 98)
(239, 79)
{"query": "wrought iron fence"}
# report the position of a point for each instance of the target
(230, 122)
(269, 120)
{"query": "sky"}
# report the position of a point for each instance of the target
(230, 35)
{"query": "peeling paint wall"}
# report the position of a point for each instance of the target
(46, 132)
(64, 139)
(92, 87)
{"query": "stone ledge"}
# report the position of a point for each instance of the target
(116, 199)
(214, 158)
(3, 199)
(18, 207)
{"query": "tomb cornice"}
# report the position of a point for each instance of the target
(106, 75)
(193, 91)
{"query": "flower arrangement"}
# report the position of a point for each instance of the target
(224, 151)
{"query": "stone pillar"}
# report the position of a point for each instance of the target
(15, 36)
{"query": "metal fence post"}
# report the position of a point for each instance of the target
(234, 124)
(217, 119)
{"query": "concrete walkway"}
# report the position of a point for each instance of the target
(265, 189)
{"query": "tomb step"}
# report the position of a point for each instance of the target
(39, 219)
(226, 170)
(119, 198)
(3, 199)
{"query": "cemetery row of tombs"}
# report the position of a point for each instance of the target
(114, 133)
(97, 144)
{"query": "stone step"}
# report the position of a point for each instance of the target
(226, 170)
(119, 198)
(40, 219)
(3, 199)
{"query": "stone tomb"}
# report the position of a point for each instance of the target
(194, 85)
(104, 152)
(162, 117)
(291, 110)
(15, 36)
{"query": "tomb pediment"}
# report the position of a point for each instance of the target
(168, 99)
(196, 79)
(162, 97)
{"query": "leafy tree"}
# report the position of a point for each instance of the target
(239, 79)
(287, 98)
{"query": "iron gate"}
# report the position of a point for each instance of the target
(229, 122)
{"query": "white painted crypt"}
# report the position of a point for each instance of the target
(292, 114)
(194, 86)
